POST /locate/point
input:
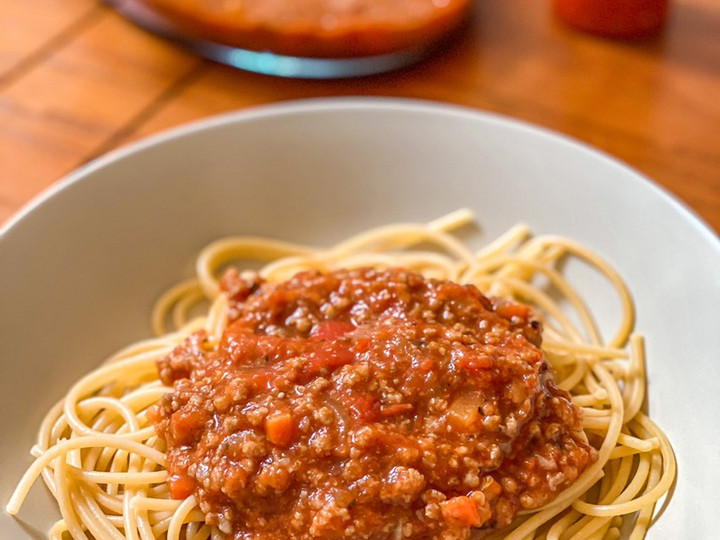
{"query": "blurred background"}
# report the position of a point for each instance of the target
(77, 79)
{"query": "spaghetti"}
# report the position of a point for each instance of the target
(104, 463)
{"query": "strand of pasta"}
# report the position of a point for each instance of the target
(642, 523)
(183, 292)
(512, 237)
(141, 365)
(179, 517)
(595, 261)
(627, 490)
(668, 475)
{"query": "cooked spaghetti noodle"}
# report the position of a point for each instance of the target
(103, 462)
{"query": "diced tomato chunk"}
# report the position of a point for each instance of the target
(362, 408)
(260, 379)
(181, 486)
(328, 357)
(362, 345)
(423, 364)
(330, 330)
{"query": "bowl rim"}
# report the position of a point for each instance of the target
(339, 105)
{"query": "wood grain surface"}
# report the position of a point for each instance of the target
(77, 80)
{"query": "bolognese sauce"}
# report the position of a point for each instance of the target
(366, 404)
(317, 28)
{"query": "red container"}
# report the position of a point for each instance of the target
(613, 18)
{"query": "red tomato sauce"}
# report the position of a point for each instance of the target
(318, 28)
(366, 404)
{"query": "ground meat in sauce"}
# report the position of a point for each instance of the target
(366, 404)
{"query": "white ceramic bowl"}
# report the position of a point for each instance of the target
(81, 266)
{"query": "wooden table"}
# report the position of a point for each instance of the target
(77, 79)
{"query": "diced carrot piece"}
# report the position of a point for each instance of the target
(474, 362)
(491, 488)
(186, 424)
(260, 379)
(279, 428)
(395, 409)
(461, 509)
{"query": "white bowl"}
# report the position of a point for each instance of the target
(81, 266)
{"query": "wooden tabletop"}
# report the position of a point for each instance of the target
(77, 79)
